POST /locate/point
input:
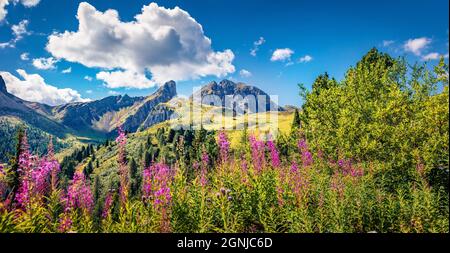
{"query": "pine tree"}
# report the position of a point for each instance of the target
(296, 123)
(147, 158)
(89, 168)
(13, 177)
(133, 176)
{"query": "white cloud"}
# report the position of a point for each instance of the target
(256, 45)
(245, 73)
(18, 31)
(282, 54)
(33, 88)
(25, 56)
(5, 44)
(45, 63)
(88, 78)
(120, 79)
(387, 43)
(416, 46)
(4, 3)
(3, 11)
(89, 91)
(306, 58)
(168, 43)
(29, 3)
(67, 71)
(433, 56)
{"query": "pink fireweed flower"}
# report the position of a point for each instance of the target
(195, 165)
(298, 180)
(258, 153)
(162, 196)
(123, 169)
(224, 146)
(147, 182)
(306, 155)
(108, 204)
(53, 164)
(244, 171)
(157, 179)
(348, 169)
(156, 188)
(65, 223)
(45, 175)
(79, 194)
(23, 195)
(274, 156)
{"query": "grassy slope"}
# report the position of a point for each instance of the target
(107, 156)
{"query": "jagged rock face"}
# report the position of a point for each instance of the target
(81, 115)
(228, 88)
(13, 106)
(2, 85)
(159, 113)
(162, 95)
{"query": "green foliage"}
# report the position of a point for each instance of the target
(381, 112)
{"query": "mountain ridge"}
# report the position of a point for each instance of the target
(229, 88)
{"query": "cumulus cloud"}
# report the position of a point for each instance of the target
(3, 11)
(282, 54)
(118, 79)
(45, 63)
(89, 91)
(4, 3)
(19, 31)
(433, 56)
(34, 88)
(306, 58)
(256, 45)
(245, 73)
(67, 71)
(88, 78)
(29, 3)
(167, 43)
(416, 46)
(25, 56)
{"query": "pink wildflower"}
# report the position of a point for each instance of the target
(306, 155)
(224, 146)
(108, 204)
(258, 153)
(274, 156)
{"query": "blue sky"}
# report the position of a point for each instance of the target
(327, 35)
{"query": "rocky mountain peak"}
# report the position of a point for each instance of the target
(2, 85)
(169, 89)
(226, 87)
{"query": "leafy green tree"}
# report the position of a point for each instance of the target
(381, 112)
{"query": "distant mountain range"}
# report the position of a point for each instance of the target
(100, 119)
